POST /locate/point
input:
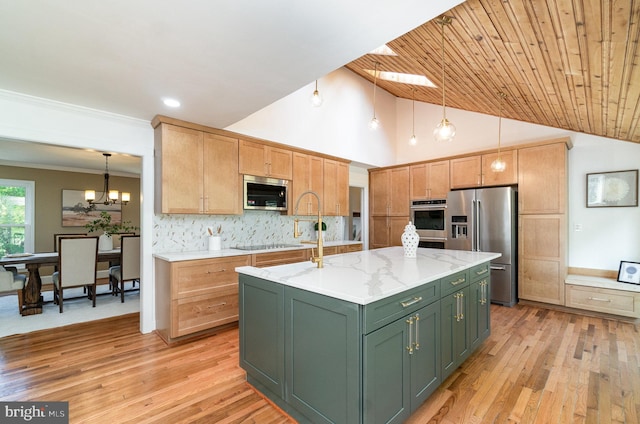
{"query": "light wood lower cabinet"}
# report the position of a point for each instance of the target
(261, 260)
(387, 231)
(617, 302)
(196, 295)
(542, 262)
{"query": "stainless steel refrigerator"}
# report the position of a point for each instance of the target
(485, 220)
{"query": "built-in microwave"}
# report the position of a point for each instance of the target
(263, 193)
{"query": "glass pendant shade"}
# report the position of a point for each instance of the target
(89, 195)
(445, 131)
(374, 123)
(316, 97)
(413, 140)
(498, 165)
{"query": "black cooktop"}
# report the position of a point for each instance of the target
(267, 246)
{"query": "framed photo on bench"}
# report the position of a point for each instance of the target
(629, 272)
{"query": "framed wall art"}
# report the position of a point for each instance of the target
(612, 189)
(76, 212)
(629, 272)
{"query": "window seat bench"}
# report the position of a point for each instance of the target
(602, 294)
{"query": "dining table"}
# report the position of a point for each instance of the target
(32, 290)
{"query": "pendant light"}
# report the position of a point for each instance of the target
(445, 131)
(374, 123)
(499, 165)
(413, 140)
(316, 97)
(110, 196)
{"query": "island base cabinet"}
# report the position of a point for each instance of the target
(261, 330)
(454, 331)
(322, 357)
(403, 351)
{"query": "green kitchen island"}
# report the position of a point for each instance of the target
(367, 338)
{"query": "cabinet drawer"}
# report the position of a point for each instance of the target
(454, 282)
(479, 271)
(385, 311)
(192, 278)
(281, 258)
(350, 248)
(615, 302)
(199, 313)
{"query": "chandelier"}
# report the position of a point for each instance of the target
(108, 197)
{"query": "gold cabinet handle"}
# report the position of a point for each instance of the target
(458, 281)
(484, 271)
(598, 299)
(413, 301)
(410, 347)
(417, 342)
(215, 272)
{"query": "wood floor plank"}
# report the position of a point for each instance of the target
(538, 366)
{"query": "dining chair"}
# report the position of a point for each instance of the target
(11, 281)
(77, 266)
(58, 235)
(129, 268)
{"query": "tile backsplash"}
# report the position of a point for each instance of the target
(186, 233)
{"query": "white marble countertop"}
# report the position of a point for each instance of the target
(367, 276)
(206, 254)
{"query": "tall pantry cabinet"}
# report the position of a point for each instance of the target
(542, 224)
(388, 205)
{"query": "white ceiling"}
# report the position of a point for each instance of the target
(223, 60)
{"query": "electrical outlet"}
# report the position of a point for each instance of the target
(577, 227)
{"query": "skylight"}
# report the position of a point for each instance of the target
(403, 78)
(383, 50)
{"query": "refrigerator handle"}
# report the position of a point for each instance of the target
(477, 214)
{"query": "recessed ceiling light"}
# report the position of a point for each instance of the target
(171, 102)
(403, 78)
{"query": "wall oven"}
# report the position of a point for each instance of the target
(429, 217)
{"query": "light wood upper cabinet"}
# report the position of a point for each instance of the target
(475, 171)
(197, 173)
(542, 179)
(508, 177)
(429, 180)
(265, 161)
(389, 192)
(179, 168)
(466, 172)
(336, 188)
(308, 174)
(222, 187)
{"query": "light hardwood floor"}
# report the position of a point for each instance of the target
(538, 366)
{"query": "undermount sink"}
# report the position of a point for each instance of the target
(267, 246)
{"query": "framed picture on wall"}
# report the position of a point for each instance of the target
(612, 189)
(76, 212)
(629, 272)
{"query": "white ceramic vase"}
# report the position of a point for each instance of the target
(105, 242)
(410, 240)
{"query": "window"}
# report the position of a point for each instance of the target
(17, 199)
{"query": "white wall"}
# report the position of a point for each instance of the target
(340, 127)
(33, 119)
(608, 235)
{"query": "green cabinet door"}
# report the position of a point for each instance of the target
(323, 357)
(454, 330)
(402, 366)
(479, 312)
(261, 330)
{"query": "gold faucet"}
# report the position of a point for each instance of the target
(315, 259)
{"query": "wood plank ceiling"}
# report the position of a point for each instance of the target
(570, 64)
